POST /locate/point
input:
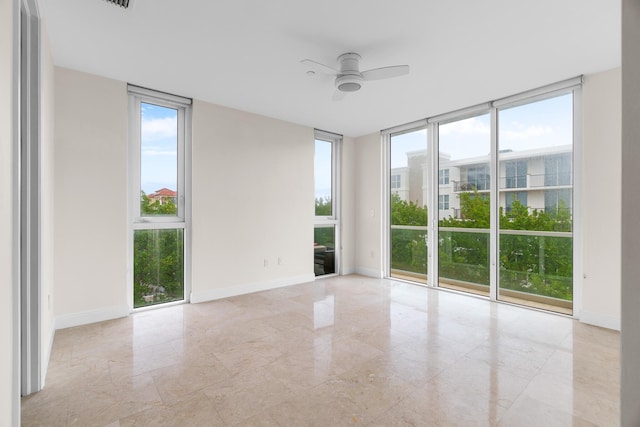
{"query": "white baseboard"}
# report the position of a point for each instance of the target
(91, 316)
(347, 271)
(369, 272)
(248, 288)
(602, 320)
(47, 355)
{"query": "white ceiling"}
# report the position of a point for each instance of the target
(246, 54)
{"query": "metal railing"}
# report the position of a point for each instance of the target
(564, 179)
(535, 265)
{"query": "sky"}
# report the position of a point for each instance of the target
(541, 124)
(322, 169)
(159, 136)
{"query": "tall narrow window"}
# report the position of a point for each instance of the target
(408, 234)
(463, 227)
(536, 225)
(159, 220)
(326, 226)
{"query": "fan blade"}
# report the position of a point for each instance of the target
(321, 68)
(385, 72)
(338, 95)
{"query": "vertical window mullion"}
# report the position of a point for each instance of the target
(494, 197)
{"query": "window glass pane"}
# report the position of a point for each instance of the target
(409, 205)
(535, 156)
(324, 249)
(158, 160)
(463, 231)
(158, 271)
(323, 178)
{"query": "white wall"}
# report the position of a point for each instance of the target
(47, 199)
(368, 167)
(252, 201)
(8, 366)
(601, 199)
(630, 154)
(90, 189)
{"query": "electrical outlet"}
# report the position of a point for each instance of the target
(266, 262)
(279, 260)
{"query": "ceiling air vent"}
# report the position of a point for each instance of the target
(121, 3)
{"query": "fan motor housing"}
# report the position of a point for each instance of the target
(349, 82)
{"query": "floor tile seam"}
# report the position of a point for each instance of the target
(213, 405)
(515, 371)
(515, 399)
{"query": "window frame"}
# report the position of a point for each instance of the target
(136, 221)
(323, 221)
(183, 117)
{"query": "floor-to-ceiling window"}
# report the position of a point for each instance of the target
(326, 229)
(463, 228)
(535, 141)
(500, 194)
(159, 137)
(409, 180)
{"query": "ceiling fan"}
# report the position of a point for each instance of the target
(349, 78)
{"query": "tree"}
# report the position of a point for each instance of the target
(407, 213)
(408, 246)
(149, 207)
(158, 258)
(528, 263)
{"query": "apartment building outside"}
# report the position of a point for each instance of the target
(540, 179)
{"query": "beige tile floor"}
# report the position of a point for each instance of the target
(339, 351)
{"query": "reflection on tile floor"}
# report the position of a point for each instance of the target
(340, 351)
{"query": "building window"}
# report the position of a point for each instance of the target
(478, 178)
(558, 202)
(557, 170)
(516, 174)
(395, 181)
(443, 176)
(443, 202)
(513, 197)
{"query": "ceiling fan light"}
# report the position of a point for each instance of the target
(349, 83)
(349, 87)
